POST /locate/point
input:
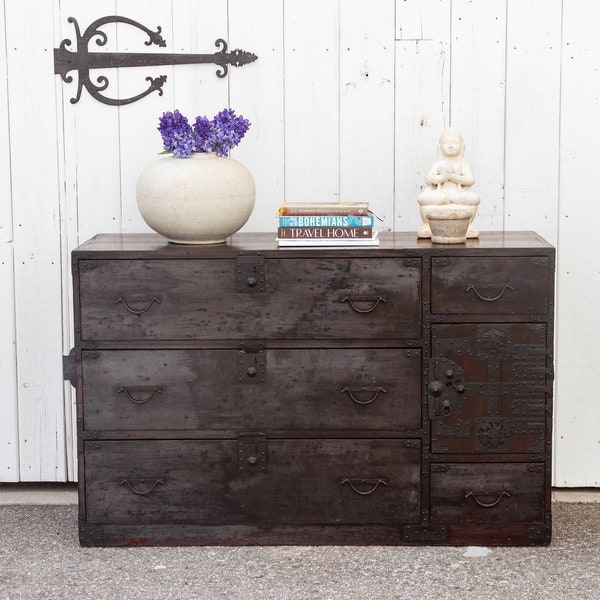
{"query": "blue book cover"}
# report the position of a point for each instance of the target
(326, 221)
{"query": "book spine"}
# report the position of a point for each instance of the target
(326, 221)
(320, 209)
(325, 232)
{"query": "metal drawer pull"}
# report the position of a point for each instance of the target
(135, 311)
(374, 483)
(129, 395)
(473, 495)
(374, 299)
(485, 298)
(142, 492)
(375, 392)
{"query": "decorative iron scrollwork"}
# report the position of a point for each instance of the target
(82, 60)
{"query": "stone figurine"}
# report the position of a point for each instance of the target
(449, 182)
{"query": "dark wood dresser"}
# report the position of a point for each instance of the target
(245, 394)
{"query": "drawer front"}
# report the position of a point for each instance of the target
(487, 493)
(200, 299)
(231, 389)
(205, 482)
(507, 286)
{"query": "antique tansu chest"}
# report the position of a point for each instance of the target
(242, 393)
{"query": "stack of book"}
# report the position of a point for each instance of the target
(326, 224)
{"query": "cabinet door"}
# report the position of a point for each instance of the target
(329, 298)
(488, 388)
(289, 482)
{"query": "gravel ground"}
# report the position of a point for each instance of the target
(40, 557)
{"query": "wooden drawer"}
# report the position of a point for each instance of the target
(487, 492)
(359, 298)
(507, 286)
(212, 482)
(230, 389)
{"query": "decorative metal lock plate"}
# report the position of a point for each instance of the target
(250, 273)
(252, 452)
(446, 388)
(252, 362)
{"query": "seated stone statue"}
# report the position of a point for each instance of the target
(449, 182)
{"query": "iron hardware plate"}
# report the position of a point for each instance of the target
(252, 452)
(425, 533)
(250, 273)
(252, 363)
(69, 368)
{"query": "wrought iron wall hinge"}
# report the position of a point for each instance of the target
(82, 60)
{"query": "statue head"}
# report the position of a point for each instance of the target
(451, 143)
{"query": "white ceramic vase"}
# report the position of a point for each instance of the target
(202, 199)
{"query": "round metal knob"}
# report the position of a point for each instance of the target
(460, 389)
(252, 461)
(251, 282)
(449, 373)
(435, 388)
(251, 371)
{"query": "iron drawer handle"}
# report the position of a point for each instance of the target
(362, 389)
(374, 483)
(473, 495)
(485, 298)
(129, 395)
(142, 492)
(378, 299)
(136, 311)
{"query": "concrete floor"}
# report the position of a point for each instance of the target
(40, 558)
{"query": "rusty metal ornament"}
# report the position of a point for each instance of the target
(82, 60)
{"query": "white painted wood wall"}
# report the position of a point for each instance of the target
(347, 100)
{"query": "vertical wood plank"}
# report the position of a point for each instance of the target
(422, 91)
(37, 252)
(6, 233)
(532, 116)
(256, 91)
(577, 414)
(366, 112)
(90, 133)
(311, 127)
(477, 100)
(9, 435)
(139, 142)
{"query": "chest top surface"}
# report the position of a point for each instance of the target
(131, 245)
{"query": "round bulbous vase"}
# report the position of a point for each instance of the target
(202, 199)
